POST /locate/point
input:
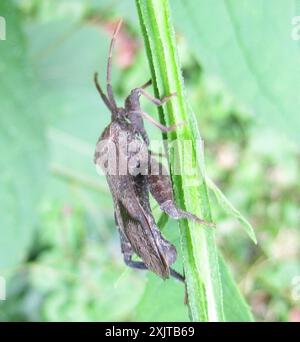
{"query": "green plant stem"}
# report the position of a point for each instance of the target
(200, 256)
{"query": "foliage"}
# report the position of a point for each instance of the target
(207, 299)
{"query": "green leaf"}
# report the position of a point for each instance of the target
(163, 301)
(198, 243)
(22, 161)
(207, 283)
(170, 294)
(235, 307)
(224, 202)
(249, 46)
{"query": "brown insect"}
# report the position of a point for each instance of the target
(139, 233)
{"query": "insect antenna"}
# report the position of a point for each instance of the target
(103, 96)
(109, 62)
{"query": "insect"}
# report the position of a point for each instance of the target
(139, 233)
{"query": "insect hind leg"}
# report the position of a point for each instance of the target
(127, 252)
(141, 266)
(161, 189)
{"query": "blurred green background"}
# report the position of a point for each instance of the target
(59, 249)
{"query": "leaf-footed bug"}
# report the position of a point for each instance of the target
(130, 190)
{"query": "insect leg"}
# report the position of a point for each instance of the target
(157, 123)
(127, 250)
(177, 275)
(156, 101)
(161, 189)
(128, 253)
(141, 266)
(150, 97)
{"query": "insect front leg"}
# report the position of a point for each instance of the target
(161, 189)
(153, 99)
(156, 123)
